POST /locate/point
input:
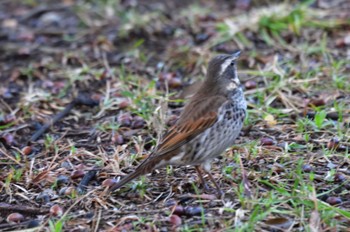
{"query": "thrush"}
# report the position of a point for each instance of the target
(209, 123)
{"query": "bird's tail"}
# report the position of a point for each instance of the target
(144, 168)
(125, 180)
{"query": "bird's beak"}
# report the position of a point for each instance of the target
(236, 54)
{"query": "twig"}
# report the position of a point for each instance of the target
(17, 226)
(122, 212)
(15, 128)
(43, 9)
(96, 223)
(246, 184)
(85, 180)
(6, 105)
(82, 99)
(6, 209)
(10, 157)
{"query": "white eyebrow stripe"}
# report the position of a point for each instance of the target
(225, 65)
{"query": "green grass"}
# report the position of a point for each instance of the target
(57, 225)
(291, 51)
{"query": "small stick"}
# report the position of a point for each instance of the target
(85, 180)
(15, 227)
(6, 209)
(82, 99)
(246, 184)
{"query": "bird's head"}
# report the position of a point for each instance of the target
(222, 72)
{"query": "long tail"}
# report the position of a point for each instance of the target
(125, 180)
(145, 167)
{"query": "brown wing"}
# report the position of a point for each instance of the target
(197, 116)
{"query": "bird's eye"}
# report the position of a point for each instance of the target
(232, 63)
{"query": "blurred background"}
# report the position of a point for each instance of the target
(90, 85)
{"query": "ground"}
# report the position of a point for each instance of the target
(87, 87)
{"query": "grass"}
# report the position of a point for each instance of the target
(56, 226)
(290, 51)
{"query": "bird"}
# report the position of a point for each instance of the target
(209, 124)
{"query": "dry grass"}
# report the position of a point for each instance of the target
(106, 78)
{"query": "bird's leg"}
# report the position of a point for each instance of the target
(218, 189)
(200, 175)
(247, 191)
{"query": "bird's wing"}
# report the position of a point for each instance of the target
(197, 117)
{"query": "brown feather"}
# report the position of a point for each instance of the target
(195, 119)
(197, 116)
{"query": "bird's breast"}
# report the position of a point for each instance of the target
(216, 139)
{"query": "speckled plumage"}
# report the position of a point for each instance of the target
(208, 125)
(216, 139)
